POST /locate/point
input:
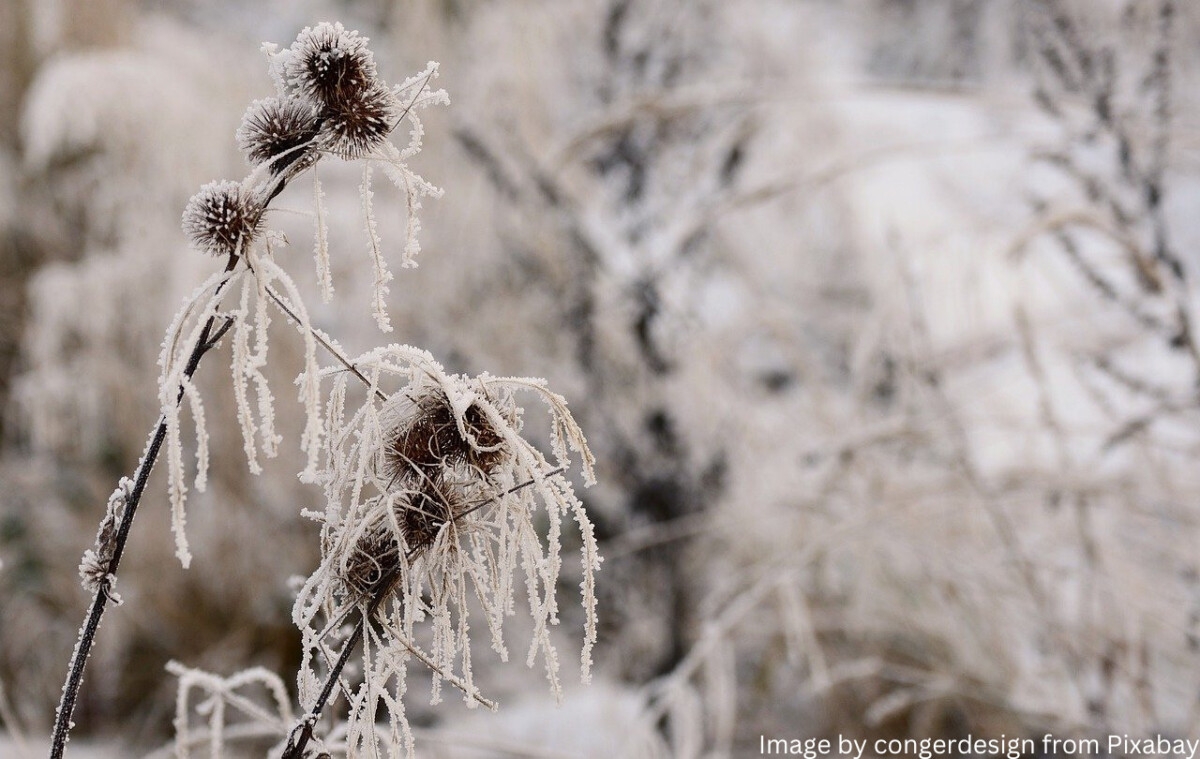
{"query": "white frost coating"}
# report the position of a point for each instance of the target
(186, 330)
(229, 707)
(414, 187)
(258, 359)
(197, 407)
(241, 390)
(321, 241)
(382, 274)
(461, 563)
(309, 380)
(178, 490)
(394, 160)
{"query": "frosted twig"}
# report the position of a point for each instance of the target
(323, 340)
(208, 338)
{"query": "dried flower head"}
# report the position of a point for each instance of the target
(222, 218)
(424, 507)
(435, 486)
(429, 434)
(418, 508)
(280, 131)
(356, 125)
(374, 555)
(330, 65)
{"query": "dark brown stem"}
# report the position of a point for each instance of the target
(210, 335)
(303, 732)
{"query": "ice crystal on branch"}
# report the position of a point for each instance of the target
(253, 703)
(95, 567)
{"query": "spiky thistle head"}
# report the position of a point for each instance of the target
(222, 218)
(329, 64)
(354, 126)
(428, 434)
(281, 131)
(400, 525)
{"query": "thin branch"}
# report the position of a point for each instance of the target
(206, 341)
(303, 732)
(324, 341)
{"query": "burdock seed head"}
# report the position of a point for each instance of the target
(356, 125)
(425, 506)
(222, 218)
(427, 437)
(421, 507)
(330, 65)
(279, 131)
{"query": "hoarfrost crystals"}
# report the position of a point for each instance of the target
(432, 498)
(321, 241)
(382, 275)
(94, 569)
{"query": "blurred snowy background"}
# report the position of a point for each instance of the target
(880, 316)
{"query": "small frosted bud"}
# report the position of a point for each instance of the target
(222, 219)
(329, 64)
(355, 126)
(279, 130)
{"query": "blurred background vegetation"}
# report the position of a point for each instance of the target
(879, 316)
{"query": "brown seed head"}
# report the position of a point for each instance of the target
(279, 129)
(429, 439)
(330, 65)
(222, 219)
(375, 557)
(421, 507)
(356, 125)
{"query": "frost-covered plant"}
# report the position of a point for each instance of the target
(433, 501)
(282, 137)
(228, 219)
(434, 497)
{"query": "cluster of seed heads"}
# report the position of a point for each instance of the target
(434, 460)
(330, 100)
(333, 70)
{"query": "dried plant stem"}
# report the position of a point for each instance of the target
(323, 341)
(303, 732)
(209, 336)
